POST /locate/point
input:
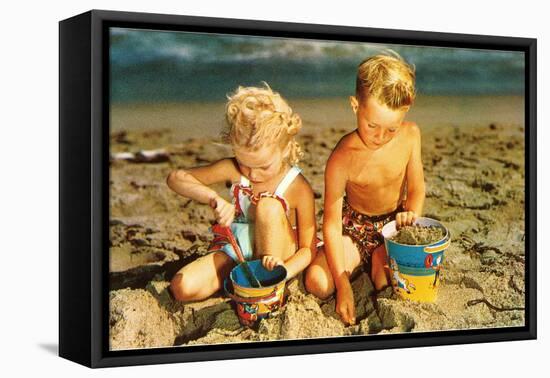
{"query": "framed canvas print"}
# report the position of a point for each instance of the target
(235, 188)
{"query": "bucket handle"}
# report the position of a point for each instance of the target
(236, 298)
(438, 248)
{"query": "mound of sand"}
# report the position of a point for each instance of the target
(137, 320)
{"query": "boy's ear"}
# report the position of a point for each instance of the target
(354, 103)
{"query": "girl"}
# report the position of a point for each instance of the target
(272, 210)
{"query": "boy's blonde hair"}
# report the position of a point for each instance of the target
(257, 117)
(389, 79)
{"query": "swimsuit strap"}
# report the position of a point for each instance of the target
(287, 180)
(245, 189)
(244, 186)
(244, 181)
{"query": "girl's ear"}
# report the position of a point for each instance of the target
(354, 103)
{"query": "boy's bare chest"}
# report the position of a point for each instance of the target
(373, 171)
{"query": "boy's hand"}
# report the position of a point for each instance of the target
(405, 218)
(225, 211)
(270, 262)
(345, 305)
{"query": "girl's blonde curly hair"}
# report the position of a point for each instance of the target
(257, 117)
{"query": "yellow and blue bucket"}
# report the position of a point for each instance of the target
(415, 269)
(256, 303)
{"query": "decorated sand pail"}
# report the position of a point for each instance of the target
(415, 269)
(256, 303)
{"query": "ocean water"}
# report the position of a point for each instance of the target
(158, 66)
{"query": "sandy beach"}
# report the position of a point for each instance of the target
(473, 156)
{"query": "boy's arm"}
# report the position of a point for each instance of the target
(416, 189)
(307, 231)
(336, 177)
(335, 186)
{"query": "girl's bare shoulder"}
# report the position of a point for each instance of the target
(299, 190)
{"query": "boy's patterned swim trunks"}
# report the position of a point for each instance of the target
(365, 230)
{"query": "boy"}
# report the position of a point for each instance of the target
(374, 175)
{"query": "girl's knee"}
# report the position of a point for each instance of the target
(268, 209)
(317, 282)
(182, 287)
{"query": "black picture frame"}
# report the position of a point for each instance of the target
(84, 192)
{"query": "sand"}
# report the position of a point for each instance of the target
(418, 235)
(475, 176)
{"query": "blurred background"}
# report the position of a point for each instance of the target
(179, 80)
(157, 66)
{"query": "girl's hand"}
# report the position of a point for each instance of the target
(405, 218)
(224, 211)
(270, 262)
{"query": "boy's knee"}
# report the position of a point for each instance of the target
(380, 280)
(268, 208)
(379, 256)
(380, 269)
(317, 283)
(182, 288)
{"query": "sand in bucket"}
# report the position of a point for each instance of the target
(415, 268)
(256, 303)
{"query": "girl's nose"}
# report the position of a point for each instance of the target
(246, 172)
(253, 174)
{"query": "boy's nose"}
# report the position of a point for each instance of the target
(379, 136)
